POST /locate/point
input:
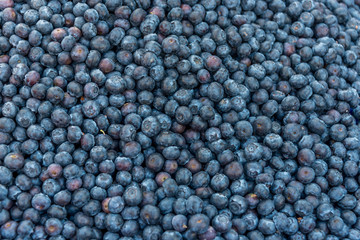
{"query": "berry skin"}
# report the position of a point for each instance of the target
(199, 223)
(150, 126)
(53, 226)
(179, 119)
(41, 202)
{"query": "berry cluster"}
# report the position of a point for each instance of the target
(179, 119)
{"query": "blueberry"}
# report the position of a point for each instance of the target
(40, 202)
(179, 223)
(8, 230)
(150, 126)
(221, 223)
(150, 214)
(338, 132)
(243, 130)
(132, 196)
(198, 223)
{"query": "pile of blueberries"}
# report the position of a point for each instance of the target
(180, 119)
